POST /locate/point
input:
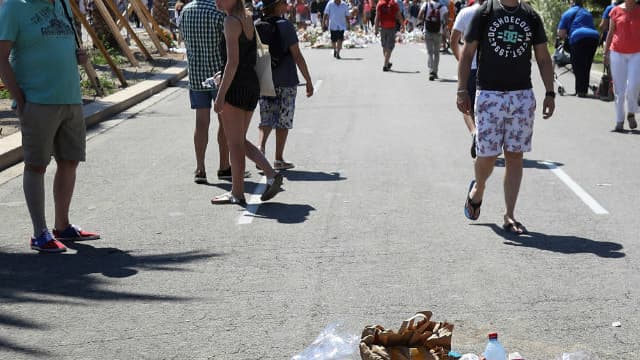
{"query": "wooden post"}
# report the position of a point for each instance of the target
(115, 31)
(93, 78)
(124, 21)
(98, 43)
(145, 18)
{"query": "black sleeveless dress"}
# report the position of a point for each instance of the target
(244, 90)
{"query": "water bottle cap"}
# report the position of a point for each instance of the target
(493, 335)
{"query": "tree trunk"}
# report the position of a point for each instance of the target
(161, 13)
(103, 31)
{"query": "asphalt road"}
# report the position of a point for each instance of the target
(369, 229)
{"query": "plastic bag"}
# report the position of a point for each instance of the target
(333, 343)
(576, 356)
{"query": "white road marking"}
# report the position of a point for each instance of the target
(316, 87)
(253, 203)
(577, 189)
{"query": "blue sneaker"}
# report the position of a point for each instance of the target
(46, 243)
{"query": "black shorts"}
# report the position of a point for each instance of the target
(337, 35)
(243, 97)
(471, 87)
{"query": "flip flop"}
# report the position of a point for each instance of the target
(515, 228)
(228, 198)
(471, 210)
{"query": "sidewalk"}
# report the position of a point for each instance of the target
(102, 109)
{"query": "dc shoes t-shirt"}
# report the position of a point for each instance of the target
(505, 41)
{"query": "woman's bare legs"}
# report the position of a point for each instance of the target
(253, 153)
(235, 130)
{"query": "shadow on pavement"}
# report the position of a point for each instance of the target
(530, 164)
(299, 175)
(564, 244)
(50, 279)
(404, 72)
(284, 213)
(350, 58)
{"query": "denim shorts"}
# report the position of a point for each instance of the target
(202, 99)
(277, 112)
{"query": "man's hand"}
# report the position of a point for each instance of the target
(81, 56)
(463, 102)
(309, 89)
(548, 106)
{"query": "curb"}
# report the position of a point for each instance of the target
(102, 109)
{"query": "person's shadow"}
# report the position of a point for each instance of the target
(303, 175)
(564, 244)
(283, 213)
(531, 164)
(51, 279)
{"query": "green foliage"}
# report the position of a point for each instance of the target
(4, 94)
(550, 11)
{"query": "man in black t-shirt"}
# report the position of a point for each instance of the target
(504, 32)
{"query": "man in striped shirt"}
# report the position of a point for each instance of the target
(201, 26)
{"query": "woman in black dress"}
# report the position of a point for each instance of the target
(238, 95)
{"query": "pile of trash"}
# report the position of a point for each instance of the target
(315, 38)
(418, 338)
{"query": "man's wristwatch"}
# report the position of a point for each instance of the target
(551, 94)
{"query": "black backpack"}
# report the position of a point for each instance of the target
(432, 20)
(270, 35)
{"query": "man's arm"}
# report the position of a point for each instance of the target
(545, 66)
(456, 35)
(8, 76)
(464, 70)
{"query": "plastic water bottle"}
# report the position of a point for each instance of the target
(494, 350)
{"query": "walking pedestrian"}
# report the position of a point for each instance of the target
(622, 52)
(576, 26)
(277, 112)
(336, 19)
(387, 14)
(434, 17)
(460, 29)
(201, 26)
(236, 100)
(503, 32)
(43, 79)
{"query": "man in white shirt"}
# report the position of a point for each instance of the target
(460, 27)
(336, 19)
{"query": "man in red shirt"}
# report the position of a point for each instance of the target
(387, 13)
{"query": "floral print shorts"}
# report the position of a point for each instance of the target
(504, 120)
(277, 112)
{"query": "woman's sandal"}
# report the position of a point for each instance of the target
(515, 228)
(228, 198)
(471, 210)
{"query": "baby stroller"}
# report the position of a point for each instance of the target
(561, 60)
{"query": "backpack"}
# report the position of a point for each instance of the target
(270, 34)
(432, 20)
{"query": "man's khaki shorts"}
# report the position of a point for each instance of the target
(57, 130)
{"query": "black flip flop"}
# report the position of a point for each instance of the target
(515, 228)
(471, 210)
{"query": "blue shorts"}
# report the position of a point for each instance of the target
(202, 99)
